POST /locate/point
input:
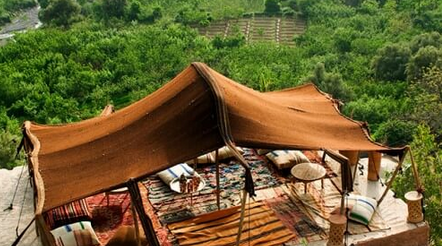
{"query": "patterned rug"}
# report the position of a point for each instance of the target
(171, 206)
(261, 227)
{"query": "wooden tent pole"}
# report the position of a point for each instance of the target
(396, 171)
(217, 180)
(146, 223)
(415, 172)
(241, 220)
(137, 229)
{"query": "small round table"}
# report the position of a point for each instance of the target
(309, 172)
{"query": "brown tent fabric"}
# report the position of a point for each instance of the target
(179, 122)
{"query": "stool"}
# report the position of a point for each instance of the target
(308, 172)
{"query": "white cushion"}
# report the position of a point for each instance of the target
(223, 153)
(362, 208)
(168, 175)
(286, 158)
(76, 234)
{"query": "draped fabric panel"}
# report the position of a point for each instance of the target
(177, 123)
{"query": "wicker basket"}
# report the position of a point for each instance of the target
(414, 199)
(337, 229)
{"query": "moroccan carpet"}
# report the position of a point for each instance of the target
(261, 227)
(171, 206)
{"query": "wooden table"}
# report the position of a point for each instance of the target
(309, 172)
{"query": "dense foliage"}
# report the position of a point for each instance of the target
(383, 59)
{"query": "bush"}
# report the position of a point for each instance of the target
(390, 62)
(8, 144)
(272, 7)
(395, 132)
(428, 156)
(426, 57)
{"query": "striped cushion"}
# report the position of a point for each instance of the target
(286, 158)
(77, 234)
(168, 175)
(67, 214)
(362, 208)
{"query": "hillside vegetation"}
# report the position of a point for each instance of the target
(382, 58)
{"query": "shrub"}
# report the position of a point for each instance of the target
(391, 61)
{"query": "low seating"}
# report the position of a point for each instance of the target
(223, 153)
(76, 234)
(284, 159)
(68, 214)
(309, 172)
(362, 208)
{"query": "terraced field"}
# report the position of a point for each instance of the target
(277, 29)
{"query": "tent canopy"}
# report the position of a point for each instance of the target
(192, 114)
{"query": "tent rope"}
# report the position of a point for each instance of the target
(19, 237)
(21, 209)
(11, 206)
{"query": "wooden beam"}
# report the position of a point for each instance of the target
(146, 223)
(396, 171)
(218, 190)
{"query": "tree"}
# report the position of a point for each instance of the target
(113, 8)
(390, 62)
(428, 157)
(395, 132)
(272, 7)
(61, 12)
(426, 95)
(426, 57)
(329, 82)
(426, 39)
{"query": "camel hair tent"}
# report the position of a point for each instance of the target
(198, 111)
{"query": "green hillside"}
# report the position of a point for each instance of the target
(382, 59)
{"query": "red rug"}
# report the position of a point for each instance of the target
(107, 218)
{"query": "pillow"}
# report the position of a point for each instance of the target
(262, 151)
(224, 153)
(68, 214)
(168, 175)
(361, 208)
(206, 158)
(286, 158)
(76, 234)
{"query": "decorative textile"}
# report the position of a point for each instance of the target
(261, 227)
(296, 220)
(76, 234)
(68, 214)
(171, 206)
(361, 208)
(319, 203)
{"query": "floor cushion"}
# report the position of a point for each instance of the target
(68, 214)
(286, 158)
(361, 208)
(76, 234)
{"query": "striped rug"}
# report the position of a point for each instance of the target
(261, 227)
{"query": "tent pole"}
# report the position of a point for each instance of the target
(217, 180)
(241, 220)
(396, 171)
(415, 172)
(146, 223)
(137, 229)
